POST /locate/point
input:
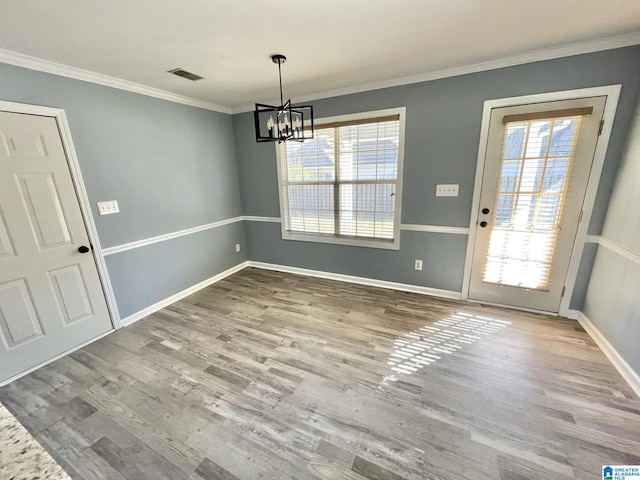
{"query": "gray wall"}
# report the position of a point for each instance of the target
(584, 274)
(170, 167)
(613, 298)
(173, 167)
(441, 146)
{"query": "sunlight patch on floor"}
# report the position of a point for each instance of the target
(428, 344)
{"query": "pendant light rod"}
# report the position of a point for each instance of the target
(280, 77)
(279, 59)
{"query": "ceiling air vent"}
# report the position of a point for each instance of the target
(184, 74)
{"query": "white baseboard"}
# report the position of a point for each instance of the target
(125, 322)
(572, 314)
(284, 268)
(53, 359)
(404, 287)
(628, 373)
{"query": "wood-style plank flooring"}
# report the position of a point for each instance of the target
(278, 376)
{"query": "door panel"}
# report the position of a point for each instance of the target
(51, 297)
(537, 167)
(41, 201)
(71, 293)
(32, 146)
(18, 319)
(6, 244)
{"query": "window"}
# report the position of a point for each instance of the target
(344, 185)
(535, 168)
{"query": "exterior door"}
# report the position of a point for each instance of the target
(51, 297)
(537, 167)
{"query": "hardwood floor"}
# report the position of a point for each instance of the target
(271, 375)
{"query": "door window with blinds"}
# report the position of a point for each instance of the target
(534, 174)
(344, 185)
(536, 170)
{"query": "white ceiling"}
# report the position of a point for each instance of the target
(330, 44)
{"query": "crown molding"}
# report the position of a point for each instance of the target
(569, 50)
(40, 65)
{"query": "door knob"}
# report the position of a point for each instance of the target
(485, 210)
(83, 249)
(483, 224)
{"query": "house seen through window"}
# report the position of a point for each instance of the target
(343, 186)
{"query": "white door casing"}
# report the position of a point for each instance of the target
(572, 251)
(51, 295)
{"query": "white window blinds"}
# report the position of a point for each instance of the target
(533, 185)
(343, 183)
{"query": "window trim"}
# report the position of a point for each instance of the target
(353, 241)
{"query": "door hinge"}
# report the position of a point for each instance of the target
(580, 216)
(601, 127)
(564, 289)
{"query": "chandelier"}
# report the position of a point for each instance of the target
(283, 122)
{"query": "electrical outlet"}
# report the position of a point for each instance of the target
(108, 207)
(237, 247)
(418, 265)
(449, 190)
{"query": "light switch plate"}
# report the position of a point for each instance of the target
(108, 207)
(447, 190)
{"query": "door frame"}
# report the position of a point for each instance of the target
(612, 92)
(83, 200)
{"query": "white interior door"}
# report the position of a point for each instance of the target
(537, 167)
(51, 298)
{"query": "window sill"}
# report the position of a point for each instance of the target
(351, 242)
